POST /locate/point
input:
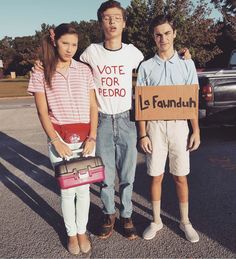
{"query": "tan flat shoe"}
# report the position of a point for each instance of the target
(84, 243)
(73, 245)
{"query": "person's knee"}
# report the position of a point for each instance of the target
(180, 180)
(156, 180)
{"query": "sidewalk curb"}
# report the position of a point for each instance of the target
(16, 97)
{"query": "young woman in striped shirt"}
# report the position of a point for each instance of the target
(67, 109)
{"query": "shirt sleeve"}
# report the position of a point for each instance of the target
(141, 78)
(36, 83)
(192, 73)
(137, 57)
(90, 79)
(85, 56)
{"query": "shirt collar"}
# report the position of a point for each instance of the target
(73, 63)
(172, 60)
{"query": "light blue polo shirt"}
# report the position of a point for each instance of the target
(175, 71)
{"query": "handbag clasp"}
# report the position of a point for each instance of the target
(82, 174)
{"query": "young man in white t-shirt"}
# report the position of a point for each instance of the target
(112, 63)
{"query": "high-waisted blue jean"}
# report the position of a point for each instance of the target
(116, 144)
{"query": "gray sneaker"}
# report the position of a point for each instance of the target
(150, 232)
(190, 233)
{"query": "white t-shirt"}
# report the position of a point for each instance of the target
(112, 72)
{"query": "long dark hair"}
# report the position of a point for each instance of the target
(49, 49)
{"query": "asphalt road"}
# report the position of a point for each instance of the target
(31, 224)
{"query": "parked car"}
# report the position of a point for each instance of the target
(217, 95)
(232, 60)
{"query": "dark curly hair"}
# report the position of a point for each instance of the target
(110, 4)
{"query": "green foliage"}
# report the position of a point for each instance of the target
(228, 10)
(195, 30)
(227, 40)
(89, 32)
(20, 53)
(205, 37)
(137, 25)
(155, 7)
(227, 6)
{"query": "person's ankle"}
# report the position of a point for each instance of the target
(185, 221)
(82, 236)
(157, 221)
(72, 239)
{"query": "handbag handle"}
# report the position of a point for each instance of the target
(77, 151)
(82, 175)
(74, 151)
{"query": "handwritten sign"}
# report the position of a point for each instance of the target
(169, 102)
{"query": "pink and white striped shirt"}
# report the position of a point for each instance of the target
(68, 98)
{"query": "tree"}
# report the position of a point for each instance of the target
(137, 26)
(26, 48)
(195, 29)
(44, 30)
(156, 8)
(89, 32)
(227, 40)
(19, 54)
(228, 6)
(7, 53)
(228, 10)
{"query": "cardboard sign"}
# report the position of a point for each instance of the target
(169, 102)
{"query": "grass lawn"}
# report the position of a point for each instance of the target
(18, 87)
(13, 87)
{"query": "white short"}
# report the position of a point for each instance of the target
(168, 138)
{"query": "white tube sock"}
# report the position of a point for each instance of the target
(156, 209)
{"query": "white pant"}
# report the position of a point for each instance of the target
(75, 201)
(75, 209)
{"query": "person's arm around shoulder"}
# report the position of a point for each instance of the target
(38, 66)
(91, 139)
(185, 53)
(41, 104)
